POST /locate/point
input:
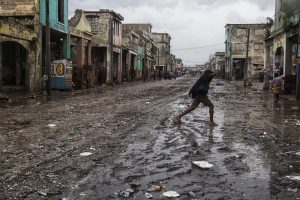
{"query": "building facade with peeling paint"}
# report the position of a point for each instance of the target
(240, 63)
(281, 44)
(81, 50)
(106, 45)
(163, 42)
(20, 45)
(147, 49)
(22, 42)
(130, 42)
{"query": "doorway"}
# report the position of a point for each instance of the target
(13, 64)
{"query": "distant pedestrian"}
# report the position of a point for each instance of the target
(199, 94)
(276, 87)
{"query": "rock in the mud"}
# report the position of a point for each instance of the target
(134, 184)
(203, 164)
(148, 195)
(171, 194)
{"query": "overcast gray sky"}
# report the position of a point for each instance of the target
(191, 23)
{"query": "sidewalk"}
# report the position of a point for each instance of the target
(258, 86)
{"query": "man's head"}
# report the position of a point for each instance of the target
(276, 75)
(207, 75)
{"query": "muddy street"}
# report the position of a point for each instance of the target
(121, 143)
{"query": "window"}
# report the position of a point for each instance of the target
(60, 11)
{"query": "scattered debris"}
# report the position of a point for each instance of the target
(203, 164)
(171, 194)
(147, 102)
(154, 188)
(192, 194)
(86, 154)
(148, 195)
(43, 193)
(298, 123)
(293, 190)
(125, 194)
(130, 190)
(47, 193)
(63, 198)
(51, 125)
(294, 178)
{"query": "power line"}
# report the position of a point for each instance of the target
(200, 47)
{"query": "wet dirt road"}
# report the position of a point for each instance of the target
(134, 144)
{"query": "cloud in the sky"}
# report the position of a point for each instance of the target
(191, 23)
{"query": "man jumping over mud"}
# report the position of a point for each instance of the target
(199, 94)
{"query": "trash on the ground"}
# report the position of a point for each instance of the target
(63, 198)
(294, 178)
(298, 153)
(154, 188)
(203, 164)
(147, 102)
(43, 193)
(265, 133)
(148, 195)
(192, 194)
(293, 190)
(298, 123)
(48, 193)
(124, 194)
(115, 195)
(130, 190)
(51, 125)
(93, 149)
(86, 154)
(157, 188)
(171, 194)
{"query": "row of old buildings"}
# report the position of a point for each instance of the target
(255, 51)
(92, 47)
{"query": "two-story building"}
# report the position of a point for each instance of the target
(106, 45)
(281, 42)
(19, 45)
(81, 50)
(163, 41)
(244, 50)
(147, 53)
(130, 43)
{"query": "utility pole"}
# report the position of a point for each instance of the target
(247, 58)
(159, 74)
(298, 66)
(48, 49)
